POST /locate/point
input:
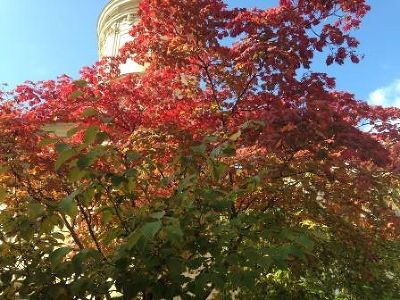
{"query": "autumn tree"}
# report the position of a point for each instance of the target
(229, 169)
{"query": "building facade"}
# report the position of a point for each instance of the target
(113, 27)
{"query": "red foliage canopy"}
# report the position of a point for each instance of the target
(212, 70)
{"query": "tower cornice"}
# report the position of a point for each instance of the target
(115, 12)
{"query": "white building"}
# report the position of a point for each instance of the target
(113, 27)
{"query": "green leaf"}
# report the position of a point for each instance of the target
(305, 241)
(81, 259)
(117, 180)
(89, 112)
(6, 277)
(76, 94)
(149, 230)
(80, 286)
(68, 205)
(201, 149)
(26, 229)
(187, 182)
(176, 267)
(81, 83)
(132, 155)
(90, 134)
(218, 169)
(101, 137)
(63, 157)
(234, 137)
(3, 169)
(84, 162)
(166, 181)
(253, 124)
(61, 147)
(76, 174)
(73, 131)
(3, 194)
(112, 234)
(210, 139)
(48, 141)
(58, 236)
(57, 256)
(131, 173)
(88, 194)
(229, 150)
(106, 216)
(221, 204)
(35, 210)
(158, 215)
(49, 223)
(133, 238)
(174, 232)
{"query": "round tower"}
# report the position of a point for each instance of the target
(113, 27)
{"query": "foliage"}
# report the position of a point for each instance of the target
(228, 170)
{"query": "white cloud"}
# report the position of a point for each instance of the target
(386, 96)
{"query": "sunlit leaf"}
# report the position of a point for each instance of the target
(68, 205)
(58, 255)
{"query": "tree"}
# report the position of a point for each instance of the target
(229, 169)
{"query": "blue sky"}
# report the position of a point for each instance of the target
(45, 38)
